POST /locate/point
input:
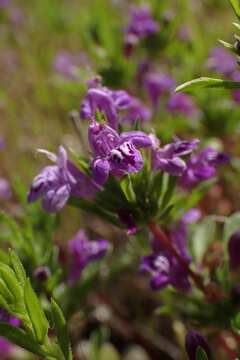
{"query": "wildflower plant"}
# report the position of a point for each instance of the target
(149, 187)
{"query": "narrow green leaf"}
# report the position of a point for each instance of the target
(61, 330)
(4, 258)
(18, 267)
(168, 192)
(17, 238)
(201, 354)
(127, 188)
(8, 276)
(229, 46)
(205, 82)
(237, 25)
(6, 293)
(232, 225)
(203, 236)
(20, 338)
(35, 312)
(92, 208)
(236, 7)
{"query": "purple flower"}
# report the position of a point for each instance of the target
(5, 189)
(221, 61)
(67, 64)
(110, 103)
(234, 251)
(157, 84)
(165, 270)
(192, 341)
(140, 26)
(6, 347)
(181, 103)
(2, 143)
(141, 23)
(114, 153)
(4, 3)
(83, 251)
(168, 158)
(56, 183)
(202, 166)
(137, 111)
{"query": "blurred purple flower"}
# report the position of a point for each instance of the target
(56, 183)
(141, 22)
(202, 166)
(168, 158)
(234, 251)
(4, 3)
(221, 61)
(164, 268)
(83, 251)
(67, 64)
(137, 111)
(5, 189)
(181, 103)
(114, 153)
(6, 347)
(192, 341)
(156, 84)
(141, 25)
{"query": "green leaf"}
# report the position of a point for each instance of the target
(92, 208)
(127, 188)
(232, 225)
(61, 330)
(17, 267)
(236, 7)
(237, 25)
(35, 312)
(170, 187)
(20, 338)
(205, 82)
(8, 276)
(201, 354)
(16, 235)
(6, 293)
(203, 236)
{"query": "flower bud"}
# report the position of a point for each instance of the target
(192, 341)
(42, 273)
(234, 251)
